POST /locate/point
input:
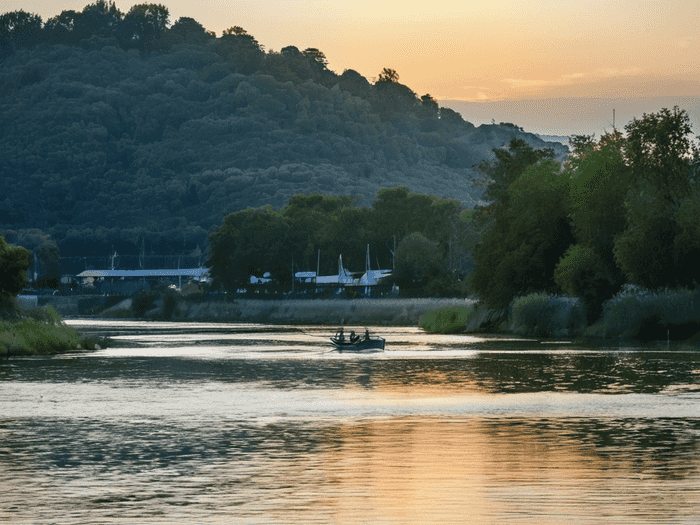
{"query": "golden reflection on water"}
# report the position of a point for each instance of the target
(481, 471)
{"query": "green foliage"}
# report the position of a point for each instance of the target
(45, 260)
(658, 247)
(544, 315)
(19, 29)
(446, 320)
(14, 262)
(581, 274)
(41, 332)
(250, 242)
(508, 165)
(117, 145)
(388, 75)
(417, 261)
(520, 249)
(637, 313)
(659, 150)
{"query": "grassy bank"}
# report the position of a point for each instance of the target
(40, 331)
(447, 320)
(633, 314)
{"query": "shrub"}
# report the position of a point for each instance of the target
(142, 302)
(170, 304)
(542, 315)
(638, 313)
(446, 320)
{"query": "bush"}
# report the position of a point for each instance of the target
(543, 315)
(446, 320)
(637, 313)
(142, 302)
(171, 301)
(42, 332)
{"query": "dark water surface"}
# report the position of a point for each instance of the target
(225, 423)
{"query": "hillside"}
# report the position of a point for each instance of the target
(104, 143)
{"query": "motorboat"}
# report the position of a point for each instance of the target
(357, 343)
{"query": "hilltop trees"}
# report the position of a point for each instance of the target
(122, 126)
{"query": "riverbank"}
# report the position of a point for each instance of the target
(633, 314)
(365, 311)
(40, 331)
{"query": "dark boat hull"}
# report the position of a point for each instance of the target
(373, 344)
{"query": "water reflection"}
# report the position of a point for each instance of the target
(251, 424)
(404, 470)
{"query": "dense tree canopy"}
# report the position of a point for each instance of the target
(315, 229)
(659, 246)
(122, 126)
(523, 243)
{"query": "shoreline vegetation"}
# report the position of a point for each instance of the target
(41, 331)
(633, 314)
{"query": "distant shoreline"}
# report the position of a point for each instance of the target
(349, 312)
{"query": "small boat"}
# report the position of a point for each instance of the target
(357, 343)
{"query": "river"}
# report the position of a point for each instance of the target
(234, 423)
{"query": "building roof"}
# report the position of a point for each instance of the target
(183, 272)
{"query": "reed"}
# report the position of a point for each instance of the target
(638, 313)
(544, 315)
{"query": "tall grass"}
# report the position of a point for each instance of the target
(544, 315)
(638, 313)
(446, 320)
(39, 332)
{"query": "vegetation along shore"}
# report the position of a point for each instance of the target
(140, 137)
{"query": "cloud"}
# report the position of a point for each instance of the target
(614, 72)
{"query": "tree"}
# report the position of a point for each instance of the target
(388, 75)
(520, 249)
(100, 19)
(44, 260)
(316, 56)
(250, 242)
(19, 29)
(660, 204)
(599, 180)
(508, 165)
(14, 262)
(235, 30)
(143, 25)
(658, 150)
(429, 106)
(580, 273)
(417, 261)
(188, 31)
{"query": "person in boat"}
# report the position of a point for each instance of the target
(340, 336)
(366, 334)
(354, 338)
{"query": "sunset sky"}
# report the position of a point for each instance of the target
(473, 51)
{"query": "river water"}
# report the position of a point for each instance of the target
(232, 423)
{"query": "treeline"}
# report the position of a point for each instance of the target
(123, 128)
(623, 210)
(426, 240)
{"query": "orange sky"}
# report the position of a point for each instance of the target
(473, 50)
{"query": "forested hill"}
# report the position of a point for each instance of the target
(108, 133)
